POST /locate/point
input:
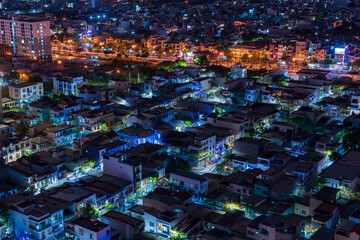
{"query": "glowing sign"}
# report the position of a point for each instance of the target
(340, 51)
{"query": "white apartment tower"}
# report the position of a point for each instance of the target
(28, 36)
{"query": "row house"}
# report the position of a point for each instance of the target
(90, 121)
(61, 113)
(136, 136)
(190, 181)
(204, 145)
(14, 147)
(61, 134)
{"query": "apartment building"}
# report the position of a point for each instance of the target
(36, 221)
(300, 51)
(28, 36)
(61, 134)
(92, 121)
(117, 165)
(204, 145)
(189, 180)
(68, 85)
(26, 92)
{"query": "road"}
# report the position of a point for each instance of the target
(107, 59)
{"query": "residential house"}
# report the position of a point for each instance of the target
(190, 181)
(26, 92)
(86, 228)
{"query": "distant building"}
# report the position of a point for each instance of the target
(238, 71)
(28, 36)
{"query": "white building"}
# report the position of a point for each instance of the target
(26, 92)
(238, 71)
(88, 229)
(204, 145)
(355, 105)
(161, 223)
(189, 180)
(118, 166)
(28, 36)
(68, 85)
(36, 221)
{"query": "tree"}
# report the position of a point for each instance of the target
(22, 128)
(201, 61)
(357, 63)
(177, 163)
(104, 127)
(219, 111)
(280, 80)
(91, 163)
(35, 78)
(76, 37)
(146, 54)
(351, 141)
(4, 213)
(92, 212)
(317, 182)
(313, 60)
(220, 168)
(177, 235)
(251, 36)
(286, 58)
(171, 65)
(71, 237)
(305, 124)
(12, 77)
(79, 49)
(334, 156)
(245, 57)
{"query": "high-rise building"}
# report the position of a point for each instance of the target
(28, 36)
(300, 51)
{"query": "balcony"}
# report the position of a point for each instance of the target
(39, 227)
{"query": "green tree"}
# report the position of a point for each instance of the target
(12, 77)
(305, 124)
(219, 111)
(27, 152)
(317, 182)
(177, 235)
(280, 80)
(220, 168)
(171, 65)
(334, 156)
(351, 141)
(91, 163)
(71, 237)
(92, 212)
(4, 213)
(104, 127)
(177, 163)
(201, 61)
